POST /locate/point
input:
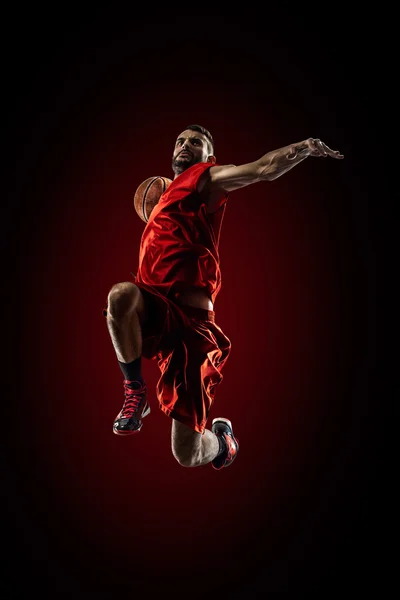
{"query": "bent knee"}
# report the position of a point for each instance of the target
(123, 298)
(186, 444)
(186, 458)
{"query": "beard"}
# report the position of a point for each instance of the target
(180, 164)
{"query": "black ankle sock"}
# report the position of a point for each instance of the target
(133, 370)
(222, 444)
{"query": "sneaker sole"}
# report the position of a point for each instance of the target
(236, 453)
(227, 422)
(133, 431)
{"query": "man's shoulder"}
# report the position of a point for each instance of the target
(218, 167)
(213, 196)
(204, 181)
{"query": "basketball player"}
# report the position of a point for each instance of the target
(168, 313)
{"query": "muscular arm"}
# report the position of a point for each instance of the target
(269, 167)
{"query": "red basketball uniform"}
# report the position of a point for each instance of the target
(179, 251)
(179, 245)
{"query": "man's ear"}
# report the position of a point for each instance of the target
(211, 158)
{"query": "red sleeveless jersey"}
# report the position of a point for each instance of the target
(179, 245)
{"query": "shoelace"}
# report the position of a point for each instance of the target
(133, 397)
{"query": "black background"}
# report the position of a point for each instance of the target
(94, 103)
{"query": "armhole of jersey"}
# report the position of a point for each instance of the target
(220, 206)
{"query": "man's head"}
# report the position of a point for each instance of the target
(193, 145)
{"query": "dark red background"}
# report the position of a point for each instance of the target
(95, 104)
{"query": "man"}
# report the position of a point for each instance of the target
(168, 313)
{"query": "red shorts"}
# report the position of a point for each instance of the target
(190, 349)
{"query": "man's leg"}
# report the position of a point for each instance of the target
(125, 318)
(193, 449)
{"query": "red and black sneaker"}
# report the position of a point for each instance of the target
(223, 427)
(135, 407)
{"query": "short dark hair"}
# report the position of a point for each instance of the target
(205, 132)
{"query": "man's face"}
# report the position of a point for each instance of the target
(191, 147)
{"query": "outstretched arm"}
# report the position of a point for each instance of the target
(269, 167)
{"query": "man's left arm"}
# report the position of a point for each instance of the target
(269, 167)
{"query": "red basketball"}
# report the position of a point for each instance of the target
(148, 194)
